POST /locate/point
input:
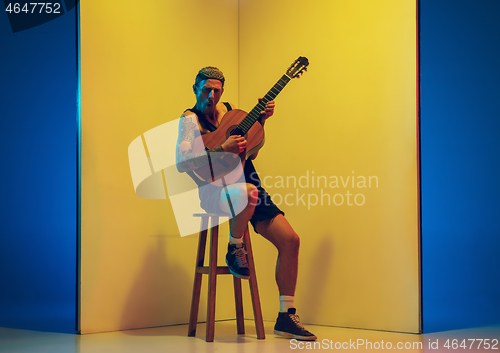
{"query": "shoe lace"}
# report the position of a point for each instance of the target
(296, 319)
(241, 258)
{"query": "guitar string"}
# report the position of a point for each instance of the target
(254, 114)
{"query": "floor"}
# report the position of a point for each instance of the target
(174, 339)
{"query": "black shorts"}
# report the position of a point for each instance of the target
(265, 208)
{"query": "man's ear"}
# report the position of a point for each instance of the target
(195, 88)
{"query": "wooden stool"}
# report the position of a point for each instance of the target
(212, 270)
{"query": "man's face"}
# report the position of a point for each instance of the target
(208, 94)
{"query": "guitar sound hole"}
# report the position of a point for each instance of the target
(233, 130)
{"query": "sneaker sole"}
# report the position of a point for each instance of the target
(236, 274)
(297, 337)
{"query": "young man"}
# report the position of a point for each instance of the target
(249, 198)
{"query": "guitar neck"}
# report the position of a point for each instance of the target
(254, 114)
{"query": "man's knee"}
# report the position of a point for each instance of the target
(291, 242)
(252, 194)
(241, 195)
(295, 239)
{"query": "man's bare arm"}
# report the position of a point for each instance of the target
(186, 159)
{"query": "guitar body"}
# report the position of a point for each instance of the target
(230, 167)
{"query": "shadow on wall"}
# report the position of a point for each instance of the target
(314, 290)
(154, 303)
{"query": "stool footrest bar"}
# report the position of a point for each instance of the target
(221, 270)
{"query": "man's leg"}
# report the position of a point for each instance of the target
(242, 201)
(243, 197)
(279, 232)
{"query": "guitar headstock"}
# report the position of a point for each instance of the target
(298, 67)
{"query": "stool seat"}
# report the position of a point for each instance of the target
(212, 270)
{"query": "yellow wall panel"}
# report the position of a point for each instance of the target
(353, 114)
(138, 63)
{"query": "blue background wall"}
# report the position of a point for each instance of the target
(38, 179)
(460, 137)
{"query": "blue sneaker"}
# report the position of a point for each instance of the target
(288, 326)
(236, 260)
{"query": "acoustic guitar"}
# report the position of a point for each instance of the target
(228, 169)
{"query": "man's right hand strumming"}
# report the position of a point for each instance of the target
(235, 144)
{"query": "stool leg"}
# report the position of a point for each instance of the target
(254, 290)
(212, 279)
(200, 259)
(238, 300)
